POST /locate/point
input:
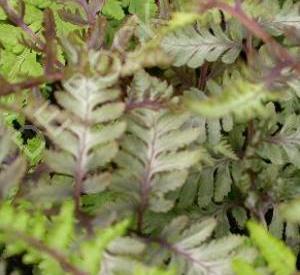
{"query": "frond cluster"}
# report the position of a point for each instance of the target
(150, 137)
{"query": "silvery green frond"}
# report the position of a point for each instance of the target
(155, 153)
(223, 182)
(281, 18)
(192, 47)
(192, 250)
(12, 165)
(84, 132)
(123, 256)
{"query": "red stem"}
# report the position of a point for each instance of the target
(8, 88)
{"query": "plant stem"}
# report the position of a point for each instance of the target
(281, 53)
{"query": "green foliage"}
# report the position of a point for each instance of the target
(143, 9)
(113, 8)
(241, 267)
(17, 60)
(142, 136)
(239, 96)
(49, 244)
(279, 258)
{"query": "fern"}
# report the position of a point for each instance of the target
(180, 116)
(192, 47)
(143, 9)
(113, 8)
(193, 253)
(274, 16)
(49, 244)
(91, 130)
(239, 97)
(162, 149)
(15, 54)
(242, 267)
(287, 17)
(33, 149)
(279, 258)
(210, 128)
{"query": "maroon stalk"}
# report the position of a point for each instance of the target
(9, 88)
(18, 20)
(281, 53)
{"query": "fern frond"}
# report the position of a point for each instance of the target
(50, 244)
(239, 97)
(18, 61)
(287, 16)
(192, 47)
(225, 149)
(113, 8)
(155, 158)
(193, 253)
(279, 257)
(143, 9)
(274, 16)
(89, 122)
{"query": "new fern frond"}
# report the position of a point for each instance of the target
(239, 96)
(280, 259)
(210, 128)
